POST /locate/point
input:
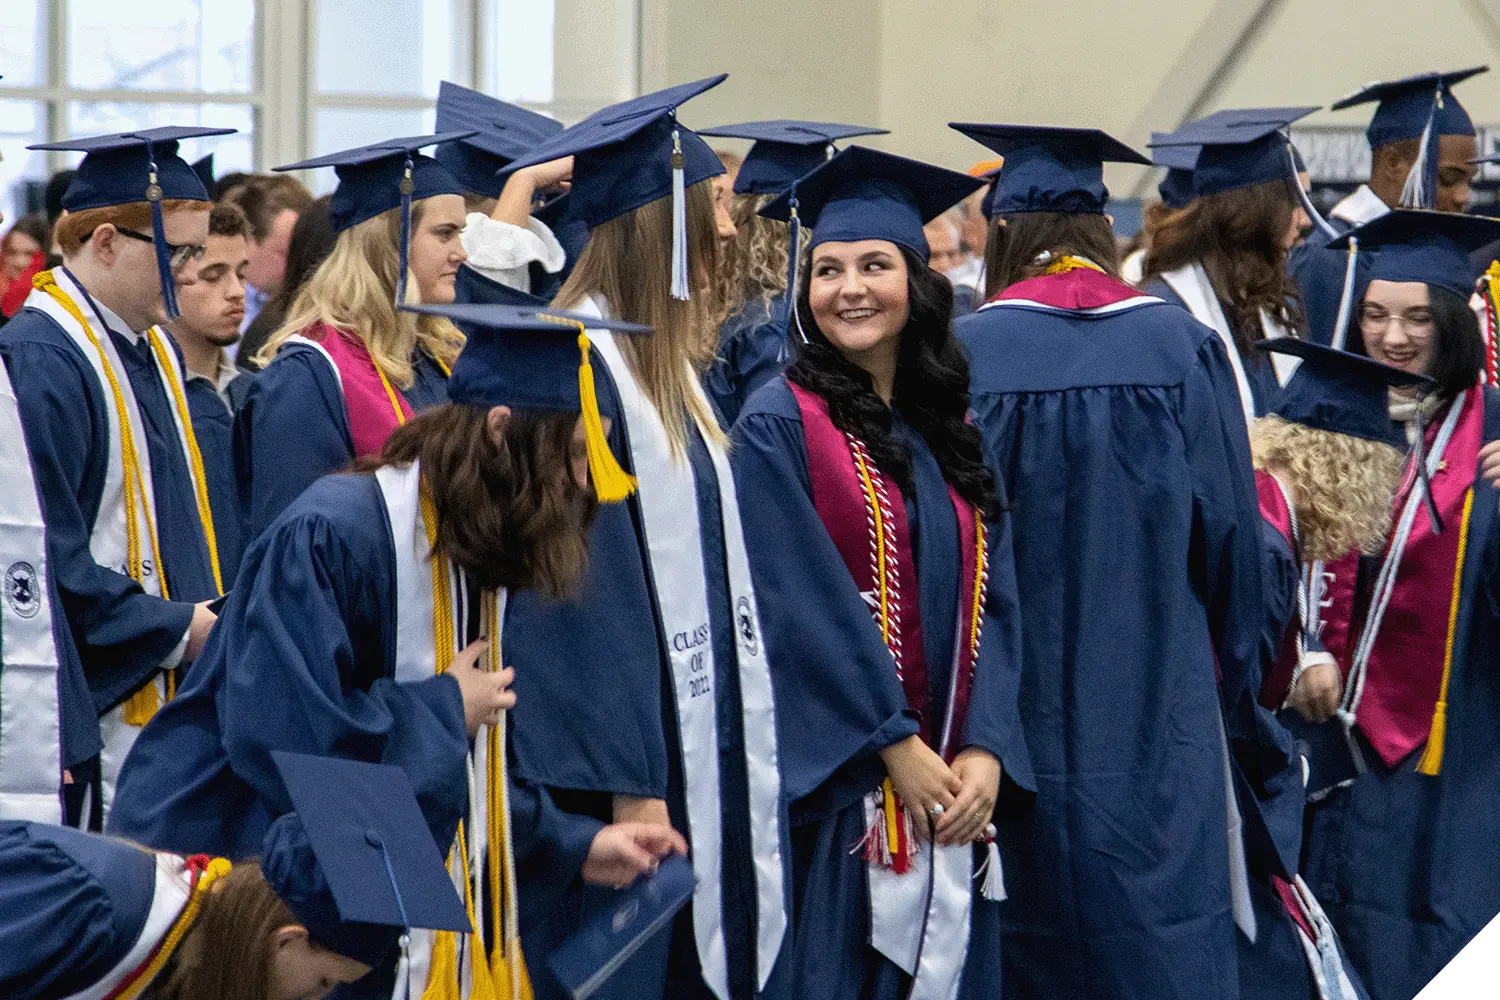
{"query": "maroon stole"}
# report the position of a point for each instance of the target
(374, 406)
(1413, 652)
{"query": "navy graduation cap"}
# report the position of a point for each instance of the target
(204, 168)
(987, 203)
(1237, 148)
(503, 132)
(376, 178)
(785, 150)
(1420, 245)
(356, 862)
(1050, 169)
(536, 358)
(127, 167)
(1415, 107)
(1176, 187)
(1340, 392)
(631, 154)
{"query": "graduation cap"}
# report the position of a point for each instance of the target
(356, 862)
(1421, 245)
(126, 167)
(503, 132)
(1340, 392)
(631, 154)
(1238, 148)
(1050, 169)
(376, 178)
(536, 358)
(987, 203)
(204, 168)
(1415, 107)
(1176, 187)
(785, 150)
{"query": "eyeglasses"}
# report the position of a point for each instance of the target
(1377, 320)
(180, 254)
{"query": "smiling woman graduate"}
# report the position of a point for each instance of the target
(351, 367)
(882, 549)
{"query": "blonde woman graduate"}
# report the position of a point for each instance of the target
(350, 366)
(667, 624)
(368, 623)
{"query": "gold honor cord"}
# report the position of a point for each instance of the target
(611, 482)
(141, 706)
(504, 975)
(1069, 262)
(1431, 762)
(141, 977)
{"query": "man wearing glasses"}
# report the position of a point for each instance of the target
(101, 393)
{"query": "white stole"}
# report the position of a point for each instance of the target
(30, 723)
(416, 660)
(107, 542)
(1192, 286)
(669, 511)
(169, 898)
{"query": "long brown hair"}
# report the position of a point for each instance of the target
(1238, 236)
(755, 261)
(354, 290)
(628, 262)
(510, 516)
(227, 953)
(1016, 241)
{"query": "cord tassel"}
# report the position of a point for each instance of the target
(611, 482)
(793, 265)
(993, 887)
(1346, 298)
(1420, 189)
(407, 187)
(680, 287)
(1319, 222)
(159, 244)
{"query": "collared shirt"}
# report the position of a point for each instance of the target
(226, 374)
(1364, 205)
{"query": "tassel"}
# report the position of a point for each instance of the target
(512, 981)
(481, 984)
(442, 968)
(611, 482)
(1346, 298)
(993, 887)
(889, 842)
(1316, 217)
(159, 241)
(680, 287)
(1490, 288)
(1431, 763)
(407, 187)
(141, 706)
(1420, 189)
(794, 263)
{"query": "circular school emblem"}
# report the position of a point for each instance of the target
(21, 590)
(745, 622)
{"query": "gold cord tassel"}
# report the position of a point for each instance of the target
(611, 482)
(141, 706)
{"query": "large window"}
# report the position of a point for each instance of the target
(296, 77)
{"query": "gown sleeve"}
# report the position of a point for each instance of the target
(838, 700)
(297, 638)
(123, 634)
(551, 845)
(291, 430)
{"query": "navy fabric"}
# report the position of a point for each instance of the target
(503, 132)
(73, 906)
(864, 194)
(1049, 169)
(115, 169)
(371, 177)
(1319, 276)
(1120, 441)
(752, 351)
(1235, 148)
(784, 150)
(294, 427)
(1259, 371)
(1406, 105)
(839, 701)
(1340, 392)
(213, 425)
(121, 633)
(623, 154)
(471, 286)
(1422, 245)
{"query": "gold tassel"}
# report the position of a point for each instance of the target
(442, 968)
(611, 482)
(512, 982)
(1431, 763)
(141, 706)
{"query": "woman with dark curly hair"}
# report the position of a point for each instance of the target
(1222, 256)
(874, 526)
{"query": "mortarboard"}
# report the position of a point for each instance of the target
(1421, 245)
(204, 168)
(1415, 107)
(1340, 392)
(376, 178)
(631, 154)
(503, 132)
(1050, 169)
(1237, 148)
(356, 862)
(535, 358)
(1176, 187)
(127, 167)
(785, 150)
(987, 203)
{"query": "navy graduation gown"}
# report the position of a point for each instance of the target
(71, 906)
(752, 351)
(839, 701)
(1259, 371)
(214, 426)
(294, 427)
(1405, 863)
(122, 633)
(1319, 275)
(1118, 435)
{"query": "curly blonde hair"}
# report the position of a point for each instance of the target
(754, 263)
(1343, 487)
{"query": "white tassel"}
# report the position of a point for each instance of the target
(680, 287)
(1414, 193)
(1346, 298)
(993, 887)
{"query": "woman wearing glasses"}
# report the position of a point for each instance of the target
(1403, 846)
(350, 368)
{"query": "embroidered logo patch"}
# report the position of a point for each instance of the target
(21, 590)
(745, 621)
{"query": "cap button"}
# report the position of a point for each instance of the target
(373, 838)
